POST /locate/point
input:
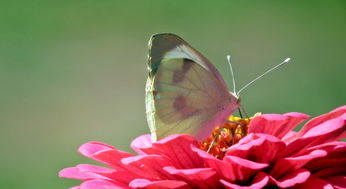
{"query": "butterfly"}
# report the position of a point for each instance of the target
(184, 91)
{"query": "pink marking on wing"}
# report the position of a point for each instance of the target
(179, 103)
(179, 74)
(181, 107)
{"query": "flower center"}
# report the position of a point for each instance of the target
(225, 136)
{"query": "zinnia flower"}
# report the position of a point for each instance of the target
(266, 152)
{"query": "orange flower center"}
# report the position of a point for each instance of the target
(225, 136)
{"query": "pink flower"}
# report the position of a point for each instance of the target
(270, 155)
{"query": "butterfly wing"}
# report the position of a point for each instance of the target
(168, 46)
(184, 92)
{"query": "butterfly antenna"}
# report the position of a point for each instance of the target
(230, 66)
(265, 73)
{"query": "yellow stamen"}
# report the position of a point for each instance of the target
(225, 136)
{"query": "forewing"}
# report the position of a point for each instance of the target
(169, 46)
(184, 97)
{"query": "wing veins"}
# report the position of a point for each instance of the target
(203, 86)
(175, 125)
(193, 100)
(188, 89)
(196, 110)
(187, 78)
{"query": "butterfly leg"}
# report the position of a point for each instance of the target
(236, 131)
(211, 144)
(236, 122)
(241, 108)
(240, 114)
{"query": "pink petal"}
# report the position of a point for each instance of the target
(260, 180)
(290, 136)
(87, 172)
(94, 168)
(337, 181)
(321, 165)
(337, 169)
(124, 177)
(331, 147)
(104, 153)
(296, 177)
(276, 124)
(323, 118)
(325, 132)
(198, 178)
(178, 149)
(162, 184)
(330, 164)
(73, 173)
(324, 128)
(76, 173)
(148, 166)
(143, 141)
(232, 168)
(314, 183)
(243, 168)
(284, 166)
(75, 187)
(255, 147)
(102, 184)
(108, 174)
(342, 135)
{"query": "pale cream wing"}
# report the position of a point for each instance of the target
(184, 97)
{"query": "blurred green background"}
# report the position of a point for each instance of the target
(75, 71)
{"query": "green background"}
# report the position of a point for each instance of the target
(75, 71)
